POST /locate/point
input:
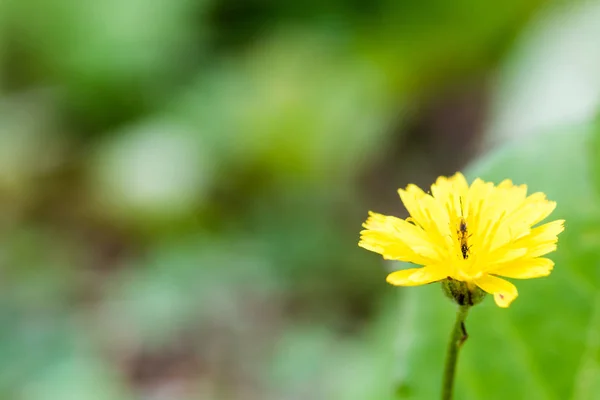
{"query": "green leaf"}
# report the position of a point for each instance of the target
(547, 344)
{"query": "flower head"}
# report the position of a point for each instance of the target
(473, 234)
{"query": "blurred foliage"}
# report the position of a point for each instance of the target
(182, 185)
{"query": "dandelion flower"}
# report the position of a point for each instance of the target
(473, 234)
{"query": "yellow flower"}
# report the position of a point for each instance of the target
(472, 234)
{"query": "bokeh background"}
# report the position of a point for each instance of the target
(182, 184)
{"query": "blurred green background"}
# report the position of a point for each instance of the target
(182, 185)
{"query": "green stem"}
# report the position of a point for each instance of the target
(457, 338)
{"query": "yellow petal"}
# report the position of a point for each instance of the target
(549, 230)
(397, 239)
(537, 242)
(451, 193)
(416, 276)
(505, 184)
(411, 198)
(525, 269)
(504, 292)
(541, 250)
(505, 255)
(427, 213)
(478, 196)
(547, 233)
(502, 203)
(389, 247)
(531, 211)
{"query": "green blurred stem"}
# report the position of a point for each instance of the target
(457, 338)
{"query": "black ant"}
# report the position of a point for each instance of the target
(463, 233)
